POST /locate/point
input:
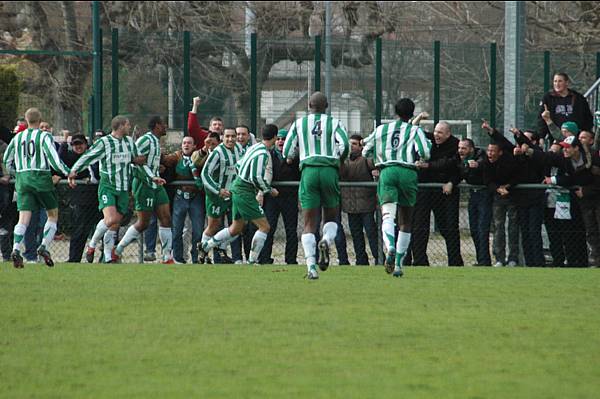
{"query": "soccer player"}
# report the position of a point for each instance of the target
(394, 147)
(217, 176)
(149, 194)
(323, 143)
(255, 172)
(33, 153)
(116, 153)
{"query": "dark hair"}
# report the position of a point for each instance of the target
(405, 108)
(564, 76)
(215, 118)
(244, 127)
(155, 120)
(215, 135)
(497, 144)
(468, 140)
(269, 131)
(356, 137)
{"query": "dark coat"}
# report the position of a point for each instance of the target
(574, 107)
(443, 163)
(358, 199)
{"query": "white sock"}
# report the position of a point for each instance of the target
(388, 232)
(109, 243)
(401, 246)
(309, 243)
(19, 234)
(329, 232)
(205, 239)
(101, 228)
(258, 241)
(221, 239)
(166, 240)
(130, 235)
(49, 232)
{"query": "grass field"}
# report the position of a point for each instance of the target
(153, 331)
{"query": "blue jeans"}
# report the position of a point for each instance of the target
(195, 209)
(150, 236)
(480, 218)
(33, 235)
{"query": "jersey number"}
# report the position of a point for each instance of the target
(395, 139)
(316, 130)
(29, 149)
(149, 201)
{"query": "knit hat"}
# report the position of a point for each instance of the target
(571, 127)
(282, 133)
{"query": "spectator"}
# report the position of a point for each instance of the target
(500, 175)
(575, 168)
(441, 168)
(529, 202)
(564, 105)
(360, 202)
(83, 198)
(188, 199)
(480, 199)
(285, 204)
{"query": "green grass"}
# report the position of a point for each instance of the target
(252, 332)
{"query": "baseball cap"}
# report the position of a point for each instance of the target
(282, 133)
(570, 141)
(571, 127)
(78, 139)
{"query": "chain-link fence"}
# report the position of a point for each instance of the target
(468, 227)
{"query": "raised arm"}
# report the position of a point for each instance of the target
(291, 141)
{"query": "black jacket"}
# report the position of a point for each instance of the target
(82, 194)
(443, 163)
(473, 175)
(502, 172)
(282, 171)
(574, 107)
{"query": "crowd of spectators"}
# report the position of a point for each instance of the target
(559, 153)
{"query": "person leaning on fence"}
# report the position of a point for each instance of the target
(284, 204)
(470, 165)
(500, 175)
(576, 170)
(440, 168)
(564, 105)
(360, 202)
(189, 199)
(83, 200)
(530, 202)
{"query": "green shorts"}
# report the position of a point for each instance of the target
(147, 198)
(28, 200)
(216, 206)
(244, 203)
(319, 187)
(397, 184)
(108, 196)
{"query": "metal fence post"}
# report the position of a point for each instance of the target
(97, 65)
(493, 84)
(253, 83)
(378, 86)
(317, 63)
(546, 71)
(115, 72)
(436, 82)
(186, 78)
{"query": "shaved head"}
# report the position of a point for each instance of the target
(318, 102)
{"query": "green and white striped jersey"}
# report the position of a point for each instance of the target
(322, 141)
(33, 150)
(219, 170)
(256, 167)
(397, 143)
(149, 146)
(115, 156)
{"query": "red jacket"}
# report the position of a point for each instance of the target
(195, 131)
